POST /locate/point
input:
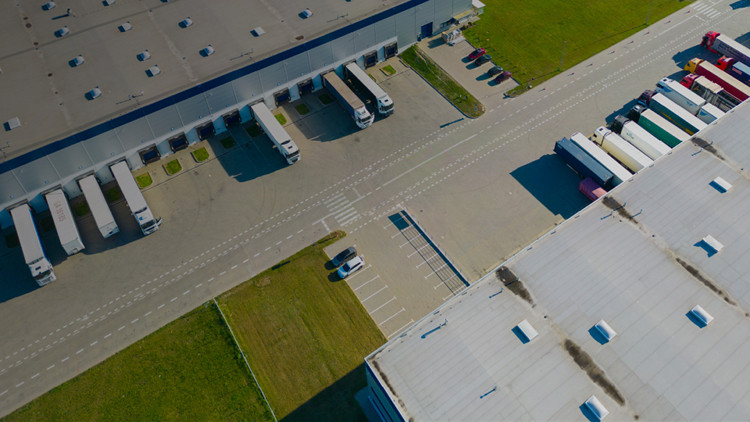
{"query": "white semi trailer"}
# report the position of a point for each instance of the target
(39, 265)
(98, 206)
(133, 196)
(65, 225)
(639, 137)
(376, 93)
(278, 135)
(348, 100)
(619, 148)
(621, 173)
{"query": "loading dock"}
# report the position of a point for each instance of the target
(371, 59)
(305, 87)
(178, 143)
(281, 97)
(149, 155)
(391, 50)
(232, 118)
(205, 131)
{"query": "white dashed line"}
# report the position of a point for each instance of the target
(65, 358)
(79, 351)
(94, 343)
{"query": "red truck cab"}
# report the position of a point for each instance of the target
(725, 63)
(708, 40)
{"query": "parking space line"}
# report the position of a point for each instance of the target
(363, 284)
(392, 316)
(369, 297)
(381, 306)
(426, 260)
(359, 272)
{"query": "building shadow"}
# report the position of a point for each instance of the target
(250, 157)
(335, 402)
(553, 184)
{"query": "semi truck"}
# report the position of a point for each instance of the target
(348, 99)
(738, 70)
(681, 95)
(65, 225)
(133, 196)
(582, 163)
(726, 46)
(39, 265)
(673, 112)
(619, 148)
(657, 126)
(709, 112)
(620, 173)
(98, 206)
(711, 91)
(639, 137)
(372, 89)
(287, 148)
(734, 87)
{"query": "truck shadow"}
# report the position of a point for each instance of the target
(250, 158)
(623, 111)
(553, 184)
(683, 57)
(328, 124)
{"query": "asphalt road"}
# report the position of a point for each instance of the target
(483, 188)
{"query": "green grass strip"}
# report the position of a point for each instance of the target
(173, 167)
(200, 154)
(305, 336)
(144, 180)
(188, 370)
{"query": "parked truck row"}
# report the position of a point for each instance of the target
(65, 225)
(663, 118)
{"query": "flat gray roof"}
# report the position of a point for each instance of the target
(637, 261)
(42, 88)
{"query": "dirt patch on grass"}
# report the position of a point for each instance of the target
(511, 281)
(584, 361)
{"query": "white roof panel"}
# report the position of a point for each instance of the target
(631, 261)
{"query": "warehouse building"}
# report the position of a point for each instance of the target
(637, 307)
(100, 82)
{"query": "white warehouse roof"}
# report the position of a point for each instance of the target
(635, 260)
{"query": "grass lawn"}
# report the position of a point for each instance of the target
(254, 130)
(441, 81)
(200, 154)
(144, 180)
(113, 194)
(227, 142)
(302, 109)
(173, 167)
(527, 36)
(325, 98)
(188, 370)
(389, 70)
(304, 336)
(280, 117)
(81, 208)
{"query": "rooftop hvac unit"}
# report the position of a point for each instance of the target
(143, 55)
(108, 2)
(94, 93)
(124, 27)
(207, 51)
(605, 330)
(186, 22)
(527, 330)
(153, 71)
(257, 31)
(49, 5)
(77, 60)
(596, 407)
(62, 31)
(699, 313)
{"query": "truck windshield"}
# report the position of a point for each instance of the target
(294, 155)
(42, 275)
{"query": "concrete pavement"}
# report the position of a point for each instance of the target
(482, 188)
